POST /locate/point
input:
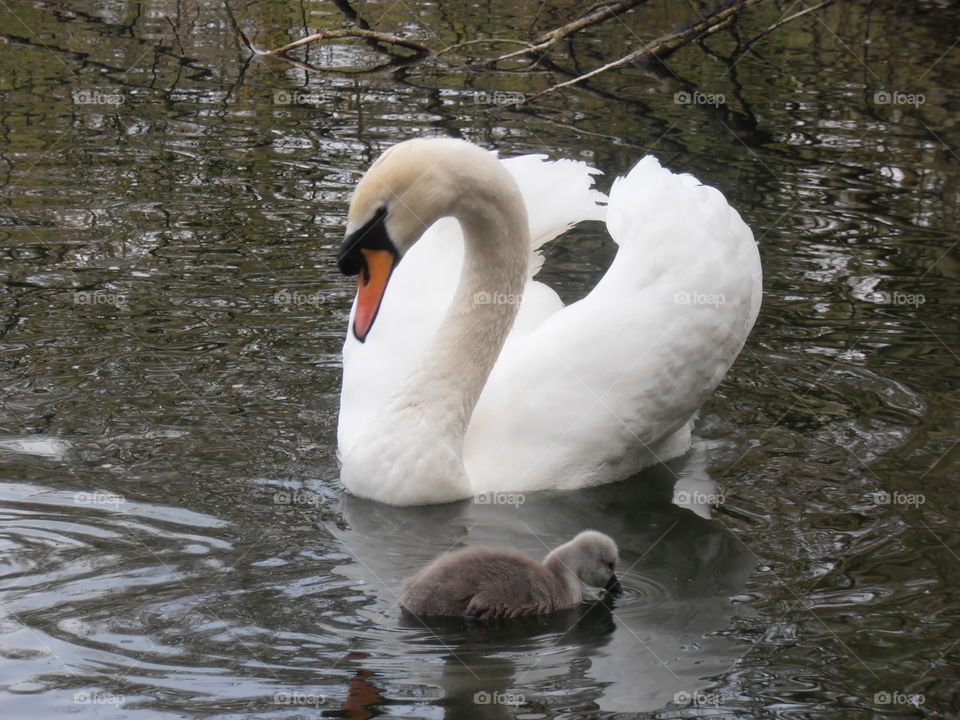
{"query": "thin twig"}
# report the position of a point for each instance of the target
(784, 21)
(547, 40)
(388, 38)
(662, 46)
(236, 26)
(481, 41)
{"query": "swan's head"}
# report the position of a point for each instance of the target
(409, 187)
(593, 556)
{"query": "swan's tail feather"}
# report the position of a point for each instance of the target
(670, 223)
(651, 196)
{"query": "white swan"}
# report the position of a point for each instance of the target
(449, 391)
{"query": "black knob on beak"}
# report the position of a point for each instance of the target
(613, 585)
(372, 235)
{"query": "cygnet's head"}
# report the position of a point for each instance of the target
(593, 557)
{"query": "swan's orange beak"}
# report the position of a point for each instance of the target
(371, 285)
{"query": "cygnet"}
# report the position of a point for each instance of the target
(492, 582)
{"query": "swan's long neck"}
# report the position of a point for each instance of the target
(481, 314)
(413, 452)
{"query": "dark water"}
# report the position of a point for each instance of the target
(174, 539)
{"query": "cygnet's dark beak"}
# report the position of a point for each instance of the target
(613, 585)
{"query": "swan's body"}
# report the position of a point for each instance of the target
(432, 410)
(487, 582)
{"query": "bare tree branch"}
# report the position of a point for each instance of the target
(784, 21)
(549, 39)
(388, 38)
(663, 46)
(481, 41)
(721, 15)
(604, 12)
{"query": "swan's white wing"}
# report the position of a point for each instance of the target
(610, 384)
(557, 195)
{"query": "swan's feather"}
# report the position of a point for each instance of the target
(558, 195)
